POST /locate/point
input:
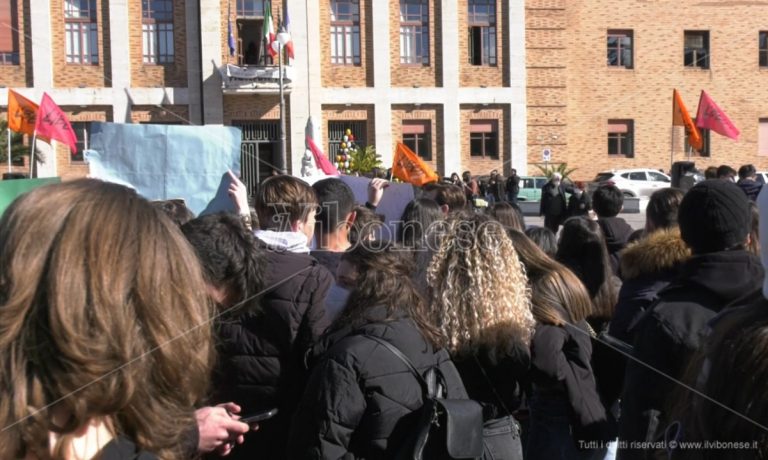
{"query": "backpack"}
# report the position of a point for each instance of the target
(444, 428)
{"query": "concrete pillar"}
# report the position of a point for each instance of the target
(451, 112)
(42, 44)
(382, 81)
(120, 55)
(518, 118)
(210, 31)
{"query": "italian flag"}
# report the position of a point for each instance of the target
(269, 30)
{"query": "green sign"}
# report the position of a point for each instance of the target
(13, 188)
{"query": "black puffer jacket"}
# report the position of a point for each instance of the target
(261, 353)
(647, 265)
(359, 395)
(670, 331)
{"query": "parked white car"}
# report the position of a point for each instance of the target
(634, 183)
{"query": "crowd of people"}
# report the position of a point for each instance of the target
(291, 329)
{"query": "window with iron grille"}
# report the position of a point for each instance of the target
(414, 32)
(337, 130)
(762, 41)
(82, 131)
(620, 48)
(416, 135)
(81, 32)
(9, 36)
(621, 138)
(696, 51)
(157, 31)
(250, 8)
(482, 32)
(345, 32)
(484, 138)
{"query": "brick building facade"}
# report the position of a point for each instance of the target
(605, 69)
(447, 78)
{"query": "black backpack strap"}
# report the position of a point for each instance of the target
(427, 388)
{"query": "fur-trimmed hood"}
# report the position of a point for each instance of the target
(660, 251)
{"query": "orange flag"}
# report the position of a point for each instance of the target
(21, 113)
(408, 167)
(680, 117)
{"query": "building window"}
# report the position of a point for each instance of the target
(250, 8)
(620, 48)
(337, 130)
(414, 32)
(345, 32)
(484, 138)
(763, 49)
(81, 32)
(482, 32)
(696, 52)
(416, 137)
(9, 36)
(621, 135)
(157, 31)
(704, 142)
(82, 131)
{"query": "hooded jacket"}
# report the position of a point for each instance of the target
(359, 395)
(261, 352)
(617, 232)
(647, 265)
(671, 331)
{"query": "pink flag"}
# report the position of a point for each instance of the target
(51, 123)
(320, 159)
(711, 117)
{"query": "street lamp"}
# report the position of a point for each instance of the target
(282, 39)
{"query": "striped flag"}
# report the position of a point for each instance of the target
(269, 30)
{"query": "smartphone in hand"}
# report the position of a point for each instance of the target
(260, 416)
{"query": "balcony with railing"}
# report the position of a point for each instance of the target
(255, 79)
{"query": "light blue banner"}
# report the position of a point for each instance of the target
(165, 162)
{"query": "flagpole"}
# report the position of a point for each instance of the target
(9, 150)
(32, 156)
(672, 150)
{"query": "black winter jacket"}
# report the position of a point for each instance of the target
(670, 332)
(506, 369)
(561, 368)
(750, 187)
(647, 265)
(261, 353)
(617, 232)
(359, 395)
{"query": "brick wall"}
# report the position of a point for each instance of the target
(575, 107)
(158, 75)
(347, 113)
(416, 75)
(334, 75)
(80, 75)
(167, 114)
(15, 76)
(433, 114)
(546, 55)
(484, 75)
(479, 165)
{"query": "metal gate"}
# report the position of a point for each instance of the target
(260, 142)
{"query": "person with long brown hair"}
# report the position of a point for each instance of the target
(104, 338)
(358, 398)
(566, 412)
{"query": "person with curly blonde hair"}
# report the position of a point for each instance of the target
(481, 302)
